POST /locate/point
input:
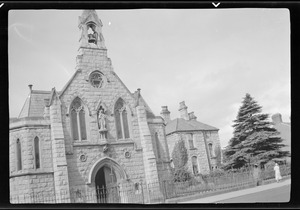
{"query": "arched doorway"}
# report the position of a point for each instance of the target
(105, 175)
(107, 189)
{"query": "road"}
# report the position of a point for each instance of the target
(272, 192)
(280, 194)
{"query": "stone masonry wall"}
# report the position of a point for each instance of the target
(79, 170)
(199, 151)
(34, 188)
(213, 138)
(61, 179)
(163, 164)
(112, 89)
(30, 180)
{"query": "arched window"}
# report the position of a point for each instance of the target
(191, 141)
(195, 165)
(120, 113)
(19, 155)
(78, 120)
(210, 148)
(157, 146)
(37, 152)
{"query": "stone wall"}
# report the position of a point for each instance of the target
(79, 170)
(213, 138)
(33, 188)
(106, 96)
(163, 163)
(199, 149)
(30, 180)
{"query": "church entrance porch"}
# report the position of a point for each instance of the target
(105, 181)
(106, 186)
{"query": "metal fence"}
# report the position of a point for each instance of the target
(155, 192)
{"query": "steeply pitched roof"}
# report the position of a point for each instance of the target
(34, 104)
(180, 124)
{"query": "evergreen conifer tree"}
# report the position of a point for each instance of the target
(254, 139)
(180, 158)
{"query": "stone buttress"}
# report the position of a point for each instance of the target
(61, 181)
(150, 167)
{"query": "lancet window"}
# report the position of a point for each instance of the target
(121, 119)
(37, 152)
(19, 155)
(210, 148)
(157, 146)
(78, 125)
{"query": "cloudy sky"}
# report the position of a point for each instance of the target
(208, 58)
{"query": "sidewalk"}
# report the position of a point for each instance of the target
(233, 194)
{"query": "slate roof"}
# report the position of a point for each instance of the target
(34, 104)
(180, 124)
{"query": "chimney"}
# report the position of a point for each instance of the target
(192, 116)
(276, 118)
(165, 113)
(183, 110)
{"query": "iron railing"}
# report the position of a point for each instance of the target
(154, 192)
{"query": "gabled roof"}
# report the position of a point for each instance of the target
(180, 124)
(34, 104)
(90, 15)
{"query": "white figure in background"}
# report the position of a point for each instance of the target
(277, 173)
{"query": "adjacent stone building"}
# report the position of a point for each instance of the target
(284, 129)
(201, 140)
(96, 134)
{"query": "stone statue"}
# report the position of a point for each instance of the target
(102, 120)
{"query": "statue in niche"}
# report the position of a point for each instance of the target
(102, 120)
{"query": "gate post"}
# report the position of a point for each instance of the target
(141, 183)
(165, 190)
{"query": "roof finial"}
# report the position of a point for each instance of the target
(30, 87)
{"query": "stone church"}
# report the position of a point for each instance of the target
(95, 133)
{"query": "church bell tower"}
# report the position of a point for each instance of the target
(91, 30)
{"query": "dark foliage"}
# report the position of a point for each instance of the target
(254, 139)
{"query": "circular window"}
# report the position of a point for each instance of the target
(127, 154)
(96, 79)
(82, 158)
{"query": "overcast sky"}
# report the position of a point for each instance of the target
(209, 58)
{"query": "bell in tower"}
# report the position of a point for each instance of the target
(91, 30)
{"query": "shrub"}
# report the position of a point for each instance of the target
(181, 175)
